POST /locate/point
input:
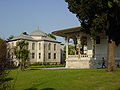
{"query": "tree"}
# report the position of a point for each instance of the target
(10, 37)
(3, 65)
(25, 33)
(22, 53)
(51, 35)
(99, 16)
(71, 50)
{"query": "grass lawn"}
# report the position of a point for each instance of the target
(67, 79)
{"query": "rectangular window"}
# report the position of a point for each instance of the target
(54, 55)
(33, 55)
(39, 46)
(49, 55)
(33, 46)
(39, 55)
(54, 47)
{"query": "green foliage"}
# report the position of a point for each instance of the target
(71, 50)
(4, 64)
(11, 37)
(110, 4)
(44, 63)
(25, 33)
(46, 66)
(67, 79)
(51, 35)
(98, 16)
(22, 53)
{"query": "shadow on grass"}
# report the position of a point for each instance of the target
(31, 89)
(48, 89)
(8, 79)
(40, 89)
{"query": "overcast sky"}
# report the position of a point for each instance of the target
(17, 16)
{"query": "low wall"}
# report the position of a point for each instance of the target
(77, 64)
(87, 64)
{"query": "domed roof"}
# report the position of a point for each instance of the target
(37, 33)
(23, 36)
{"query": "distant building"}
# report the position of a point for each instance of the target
(42, 47)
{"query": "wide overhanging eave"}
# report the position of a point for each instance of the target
(67, 32)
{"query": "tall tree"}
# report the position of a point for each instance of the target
(3, 65)
(99, 16)
(22, 53)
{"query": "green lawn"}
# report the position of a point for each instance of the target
(67, 79)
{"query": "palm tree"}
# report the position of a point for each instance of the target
(22, 53)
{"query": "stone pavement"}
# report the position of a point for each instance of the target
(49, 68)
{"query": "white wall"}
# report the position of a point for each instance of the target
(118, 52)
(101, 49)
(44, 51)
(89, 46)
(52, 51)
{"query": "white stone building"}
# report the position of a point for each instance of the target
(42, 47)
(90, 55)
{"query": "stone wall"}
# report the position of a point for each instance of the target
(82, 64)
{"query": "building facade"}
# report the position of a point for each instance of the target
(88, 53)
(42, 48)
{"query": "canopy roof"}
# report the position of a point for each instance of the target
(74, 32)
(69, 32)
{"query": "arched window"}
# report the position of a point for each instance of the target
(54, 47)
(39, 46)
(33, 46)
(49, 46)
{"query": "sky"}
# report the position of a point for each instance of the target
(17, 16)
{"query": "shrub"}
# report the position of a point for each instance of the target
(47, 66)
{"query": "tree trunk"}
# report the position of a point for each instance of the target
(111, 56)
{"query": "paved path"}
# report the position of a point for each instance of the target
(49, 68)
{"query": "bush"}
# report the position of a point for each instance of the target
(44, 63)
(47, 66)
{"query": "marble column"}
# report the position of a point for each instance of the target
(75, 44)
(79, 45)
(67, 43)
